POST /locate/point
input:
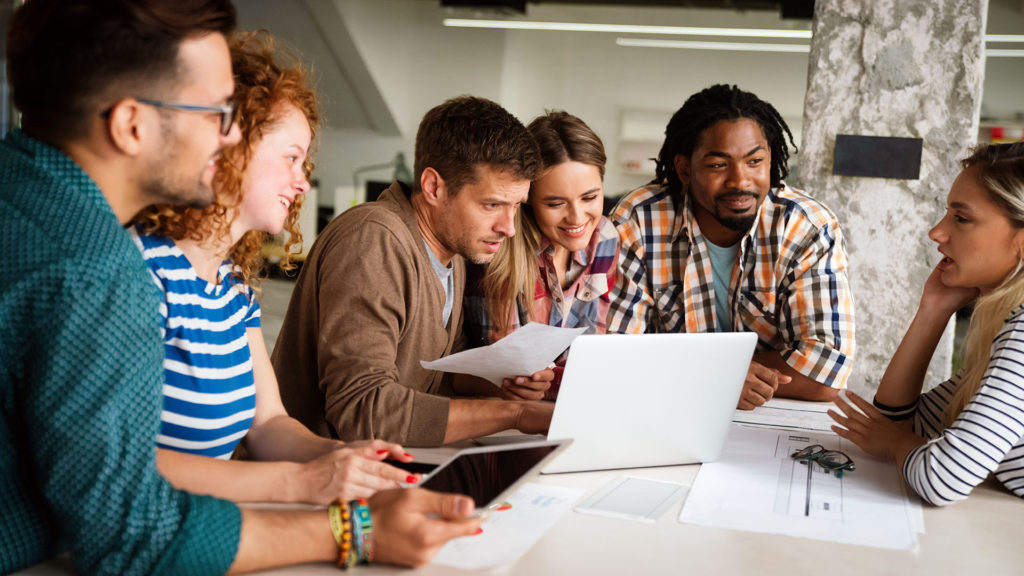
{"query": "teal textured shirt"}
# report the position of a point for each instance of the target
(80, 387)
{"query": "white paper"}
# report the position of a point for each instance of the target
(529, 349)
(755, 486)
(633, 498)
(510, 533)
(788, 414)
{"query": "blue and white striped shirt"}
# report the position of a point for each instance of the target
(209, 391)
(988, 435)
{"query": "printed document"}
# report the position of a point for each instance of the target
(756, 486)
(529, 349)
(788, 414)
(510, 530)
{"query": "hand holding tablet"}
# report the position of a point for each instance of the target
(489, 474)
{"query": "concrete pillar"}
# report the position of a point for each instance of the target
(904, 68)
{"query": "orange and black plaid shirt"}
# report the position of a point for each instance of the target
(788, 285)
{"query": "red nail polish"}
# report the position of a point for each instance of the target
(478, 531)
(382, 452)
(407, 455)
(410, 479)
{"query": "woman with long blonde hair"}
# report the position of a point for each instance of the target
(949, 439)
(220, 389)
(560, 266)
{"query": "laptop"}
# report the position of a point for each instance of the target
(639, 400)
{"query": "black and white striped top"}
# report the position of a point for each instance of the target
(987, 436)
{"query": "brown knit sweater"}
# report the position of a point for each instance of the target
(366, 309)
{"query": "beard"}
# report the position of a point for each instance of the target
(737, 223)
(166, 183)
(740, 223)
(463, 247)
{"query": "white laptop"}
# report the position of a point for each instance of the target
(631, 401)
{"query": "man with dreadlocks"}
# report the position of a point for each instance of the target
(717, 242)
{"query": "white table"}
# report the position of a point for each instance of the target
(983, 535)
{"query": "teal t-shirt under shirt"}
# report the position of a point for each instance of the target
(723, 259)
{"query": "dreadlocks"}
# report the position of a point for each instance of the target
(712, 105)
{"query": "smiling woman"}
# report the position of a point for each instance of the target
(561, 265)
(220, 389)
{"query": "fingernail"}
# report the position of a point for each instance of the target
(410, 479)
(379, 452)
(407, 455)
(463, 505)
(478, 531)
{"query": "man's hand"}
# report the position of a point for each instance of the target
(535, 417)
(410, 526)
(760, 385)
(528, 388)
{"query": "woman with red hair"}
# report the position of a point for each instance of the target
(220, 389)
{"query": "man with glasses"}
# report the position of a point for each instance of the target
(133, 108)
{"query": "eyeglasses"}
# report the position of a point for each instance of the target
(831, 460)
(227, 113)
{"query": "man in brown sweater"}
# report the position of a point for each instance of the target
(382, 289)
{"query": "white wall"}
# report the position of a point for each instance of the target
(589, 75)
(1003, 92)
(417, 63)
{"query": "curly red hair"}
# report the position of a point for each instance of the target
(266, 78)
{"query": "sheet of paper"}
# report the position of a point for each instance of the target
(510, 531)
(529, 349)
(787, 414)
(633, 498)
(755, 486)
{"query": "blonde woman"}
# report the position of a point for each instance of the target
(949, 439)
(560, 266)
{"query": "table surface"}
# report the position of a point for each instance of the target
(982, 535)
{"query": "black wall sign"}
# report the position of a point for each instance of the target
(877, 157)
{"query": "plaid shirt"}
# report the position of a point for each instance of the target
(583, 304)
(789, 284)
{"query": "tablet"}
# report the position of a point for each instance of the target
(633, 498)
(489, 474)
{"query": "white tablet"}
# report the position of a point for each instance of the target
(489, 474)
(633, 498)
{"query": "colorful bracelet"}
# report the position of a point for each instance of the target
(362, 531)
(340, 518)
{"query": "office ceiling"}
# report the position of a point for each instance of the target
(796, 7)
(351, 99)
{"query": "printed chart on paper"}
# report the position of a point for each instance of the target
(806, 489)
(756, 486)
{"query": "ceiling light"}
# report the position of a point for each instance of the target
(695, 45)
(1004, 37)
(626, 29)
(666, 30)
(1004, 53)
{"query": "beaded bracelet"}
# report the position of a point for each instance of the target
(362, 531)
(341, 526)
